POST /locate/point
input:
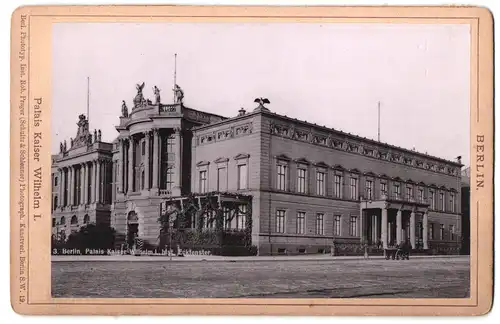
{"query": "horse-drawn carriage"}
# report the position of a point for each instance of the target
(399, 252)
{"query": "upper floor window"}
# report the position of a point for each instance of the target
(281, 173)
(420, 194)
(441, 201)
(222, 179)
(280, 221)
(242, 176)
(301, 222)
(409, 193)
(337, 190)
(320, 183)
(432, 198)
(397, 191)
(354, 188)
(203, 181)
(301, 180)
(319, 223)
(369, 189)
(452, 202)
(383, 188)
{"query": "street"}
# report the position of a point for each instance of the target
(356, 278)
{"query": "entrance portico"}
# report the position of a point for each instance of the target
(391, 221)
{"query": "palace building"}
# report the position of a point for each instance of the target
(299, 187)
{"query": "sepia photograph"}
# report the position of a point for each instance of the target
(251, 160)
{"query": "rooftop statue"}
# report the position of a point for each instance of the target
(99, 135)
(64, 146)
(139, 98)
(179, 94)
(124, 109)
(157, 95)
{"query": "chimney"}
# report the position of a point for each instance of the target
(242, 111)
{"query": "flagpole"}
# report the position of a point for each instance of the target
(88, 104)
(379, 121)
(175, 74)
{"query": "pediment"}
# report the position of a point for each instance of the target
(338, 167)
(283, 157)
(302, 160)
(321, 164)
(242, 156)
(202, 163)
(221, 160)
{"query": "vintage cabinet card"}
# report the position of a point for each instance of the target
(252, 160)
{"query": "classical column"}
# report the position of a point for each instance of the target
(361, 225)
(61, 192)
(178, 158)
(85, 183)
(93, 181)
(130, 165)
(119, 182)
(113, 181)
(71, 184)
(399, 227)
(384, 228)
(412, 229)
(156, 157)
(146, 163)
(425, 229)
(375, 229)
(82, 183)
(98, 181)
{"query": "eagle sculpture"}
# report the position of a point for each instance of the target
(261, 101)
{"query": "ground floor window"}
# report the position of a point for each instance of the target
(336, 225)
(353, 226)
(280, 221)
(301, 222)
(319, 223)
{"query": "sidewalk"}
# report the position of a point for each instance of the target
(216, 258)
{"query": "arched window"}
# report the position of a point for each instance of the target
(74, 220)
(63, 221)
(86, 219)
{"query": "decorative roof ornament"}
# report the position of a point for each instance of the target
(261, 101)
(178, 94)
(139, 98)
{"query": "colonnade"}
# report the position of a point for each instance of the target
(85, 183)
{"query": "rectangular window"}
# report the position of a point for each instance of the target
(203, 181)
(221, 179)
(452, 202)
(431, 231)
(354, 188)
(227, 216)
(170, 177)
(432, 195)
(319, 223)
(281, 184)
(241, 221)
(441, 201)
(353, 226)
(53, 222)
(242, 176)
(55, 181)
(338, 186)
(301, 223)
(409, 193)
(420, 195)
(169, 147)
(320, 183)
(452, 232)
(397, 191)
(301, 180)
(336, 225)
(280, 221)
(143, 147)
(383, 189)
(369, 189)
(441, 231)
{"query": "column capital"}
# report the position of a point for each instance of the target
(147, 133)
(155, 130)
(178, 131)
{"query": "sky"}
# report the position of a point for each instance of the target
(332, 74)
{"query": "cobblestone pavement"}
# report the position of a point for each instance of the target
(375, 278)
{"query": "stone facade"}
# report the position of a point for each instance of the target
(313, 188)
